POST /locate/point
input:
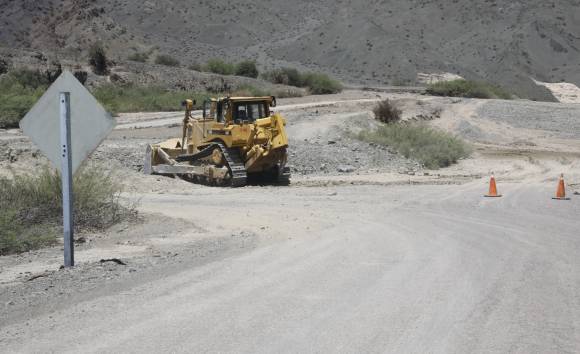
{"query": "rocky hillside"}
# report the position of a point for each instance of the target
(370, 42)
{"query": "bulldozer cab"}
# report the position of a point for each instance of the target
(234, 110)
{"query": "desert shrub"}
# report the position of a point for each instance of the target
(81, 75)
(247, 68)
(284, 76)
(167, 60)
(276, 76)
(4, 66)
(53, 72)
(295, 78)
(432, 148)
(466, 88)
(387, 112)
(195, 66)
(98, 59)
(218, 66)
(288, 92)
(29, 78)
(132, 98)
(19, 90)
(316, 83)
(321, 84)
(31, 207)
(139, 57)
(249, 90)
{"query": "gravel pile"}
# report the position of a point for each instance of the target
(343, 155)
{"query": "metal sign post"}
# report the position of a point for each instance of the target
(67, 181)
(67, 142)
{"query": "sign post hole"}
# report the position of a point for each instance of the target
(67, 180)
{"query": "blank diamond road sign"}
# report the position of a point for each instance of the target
(90, 123)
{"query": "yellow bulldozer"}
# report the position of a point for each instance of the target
(235, 139)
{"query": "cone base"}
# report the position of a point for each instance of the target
(556, 198)
(493, 196)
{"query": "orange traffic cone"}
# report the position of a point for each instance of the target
(561, 191)
(492, 188)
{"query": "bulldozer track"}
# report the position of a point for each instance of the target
(235, 165)
(233, 161)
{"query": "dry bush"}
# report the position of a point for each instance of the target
(167, 60)
(98, 59)
(31, 207)
(387, 112)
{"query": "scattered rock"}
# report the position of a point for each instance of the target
(114, 260)
(345, 168)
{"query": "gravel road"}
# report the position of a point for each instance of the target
(405, 269)
(363, 252)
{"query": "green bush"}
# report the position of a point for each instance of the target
(139, 57)
(316, 83)
(284, 76)
(470, 89)
(433, 148)
(31, 207)
(130, 98)
(247, 68)
(19, 90)
(98, 59)
(167, 60)
(276, 76)
(27, 78)
(218, 66)
(321, 84)
(387, 112)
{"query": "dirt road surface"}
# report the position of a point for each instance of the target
(387, 258)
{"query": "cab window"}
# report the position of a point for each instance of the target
(250, 111)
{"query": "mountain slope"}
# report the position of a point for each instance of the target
(380, 41)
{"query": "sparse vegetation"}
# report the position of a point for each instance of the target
(249, 90)
(19, 90)
(194, 66)
(131, 98)
(387, 112)
(316, 83)
(31, 207)
(433, 148)
(4, 66)
(98, 59)
(321, 84)
(167, 60)
(218, 66)
(247, 68)
(81, 75)
(139, 57)
(466, 88)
